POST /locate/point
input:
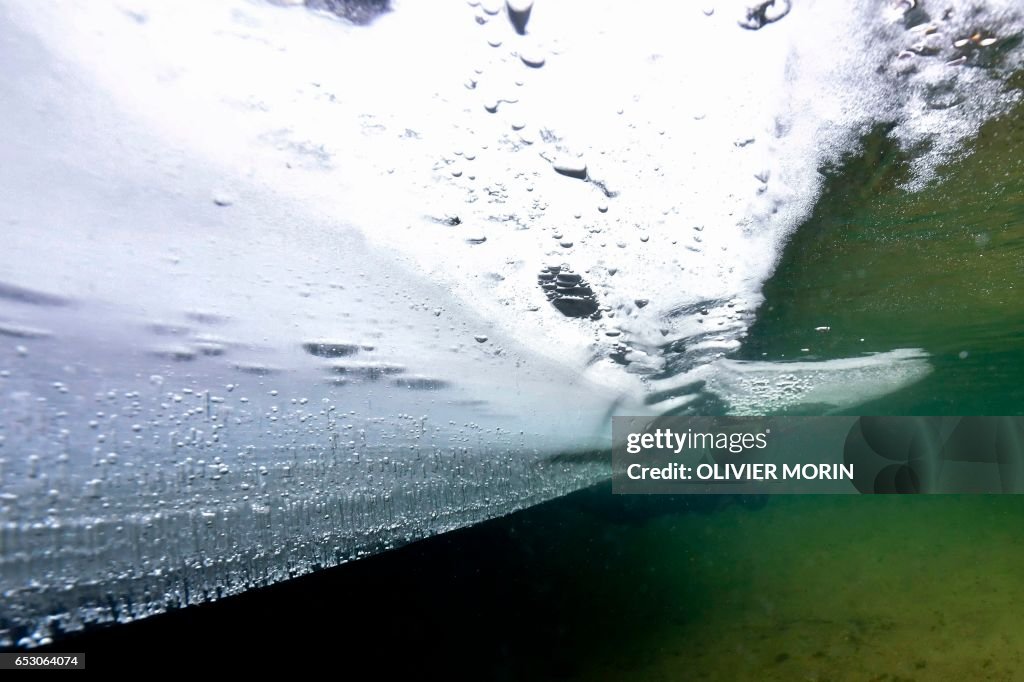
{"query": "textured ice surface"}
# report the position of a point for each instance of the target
(269, 290)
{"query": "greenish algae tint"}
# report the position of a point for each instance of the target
(869, 588)
(887, 588)
(877, 267)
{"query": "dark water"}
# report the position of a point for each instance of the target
(594, 587)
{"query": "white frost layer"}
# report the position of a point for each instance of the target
(710, 136)
(754, 388)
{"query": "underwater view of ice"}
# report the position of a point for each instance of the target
(283, 284)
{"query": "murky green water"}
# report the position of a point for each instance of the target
(828, 588)
(940, 269)
(858, 588)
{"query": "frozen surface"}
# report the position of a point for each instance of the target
(277, 289)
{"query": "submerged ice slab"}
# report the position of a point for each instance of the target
(269, 294)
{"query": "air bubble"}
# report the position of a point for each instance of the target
(532, 59)
(571, 168)
(223, 199)
(519, 14)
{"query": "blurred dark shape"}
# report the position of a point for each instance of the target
(359, 12)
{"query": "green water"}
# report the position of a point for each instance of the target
(941, 269)
(863, 588)
(819, 588)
